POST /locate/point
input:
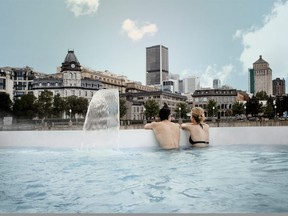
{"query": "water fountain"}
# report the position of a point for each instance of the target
(103, 111)
(101, 126)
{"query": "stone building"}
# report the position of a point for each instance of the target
(279, 87)
(224, 98)
(260, 77)
(68, 82)
(171, 99)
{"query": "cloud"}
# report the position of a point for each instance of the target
(82, 7)
(270, 40)
(211, 72)
(137, 33)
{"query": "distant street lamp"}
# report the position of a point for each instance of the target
(180, 120)
(144, 116)
(213, 110)
(275, 111)
(70, 122)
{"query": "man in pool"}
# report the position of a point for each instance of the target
(167, 133)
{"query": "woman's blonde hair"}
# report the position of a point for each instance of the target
(198, 114)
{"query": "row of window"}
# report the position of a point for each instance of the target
(219, 106)
(106, 79)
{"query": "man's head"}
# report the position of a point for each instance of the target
(164, 112)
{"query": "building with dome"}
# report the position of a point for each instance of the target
(69, 81)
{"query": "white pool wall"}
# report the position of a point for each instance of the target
(141, 138)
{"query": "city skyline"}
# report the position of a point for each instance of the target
(217, 39)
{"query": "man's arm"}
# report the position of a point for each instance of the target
(148, 126)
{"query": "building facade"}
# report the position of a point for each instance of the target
(17, 81)
(279, 87)
(260, 77)
(138, 99)
(157, 65)
(224, 99)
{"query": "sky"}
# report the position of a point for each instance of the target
(211, 39)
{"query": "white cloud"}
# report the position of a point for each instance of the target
(137, 33)
(269, 40)
(82, 7)
(210, 73)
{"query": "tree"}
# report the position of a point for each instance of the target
(262, 95)
(253, 106)
(59, 106)
(77, 105)
(238, 108)
(182, 110)
(44, 104)
(212, 104)
(269, 109)
(151, 108)
(82, 106)
(25, 107)
(5, 104)
(122, 107)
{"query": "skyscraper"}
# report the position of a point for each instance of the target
(191, 84)
(216, 83)
(260, 77)
(157, 65)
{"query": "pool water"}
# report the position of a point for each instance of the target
(217, 179)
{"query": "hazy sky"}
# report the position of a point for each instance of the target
(206, 38)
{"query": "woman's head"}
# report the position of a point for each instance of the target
(197, 113)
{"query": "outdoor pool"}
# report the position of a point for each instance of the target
(218, 179)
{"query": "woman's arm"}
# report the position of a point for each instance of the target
(185, 126)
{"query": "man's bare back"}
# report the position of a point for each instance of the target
(167, 133)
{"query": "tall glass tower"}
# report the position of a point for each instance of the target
(157, 65)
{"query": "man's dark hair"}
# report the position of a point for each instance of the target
(164, 112)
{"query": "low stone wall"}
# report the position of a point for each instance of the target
(79, 125)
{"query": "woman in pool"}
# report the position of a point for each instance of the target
(199, 131)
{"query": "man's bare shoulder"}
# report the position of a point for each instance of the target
(151, 125)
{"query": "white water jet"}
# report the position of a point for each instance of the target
(101, 124)
(103, 111)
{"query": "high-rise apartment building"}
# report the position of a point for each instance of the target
(279, 87)
(260, 77)
(157, 65)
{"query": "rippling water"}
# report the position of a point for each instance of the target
(211, 180)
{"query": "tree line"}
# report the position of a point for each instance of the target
(46, 106)
(49, 106)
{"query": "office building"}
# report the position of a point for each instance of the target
(157, 65)
(191, 84)
(216, 84)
